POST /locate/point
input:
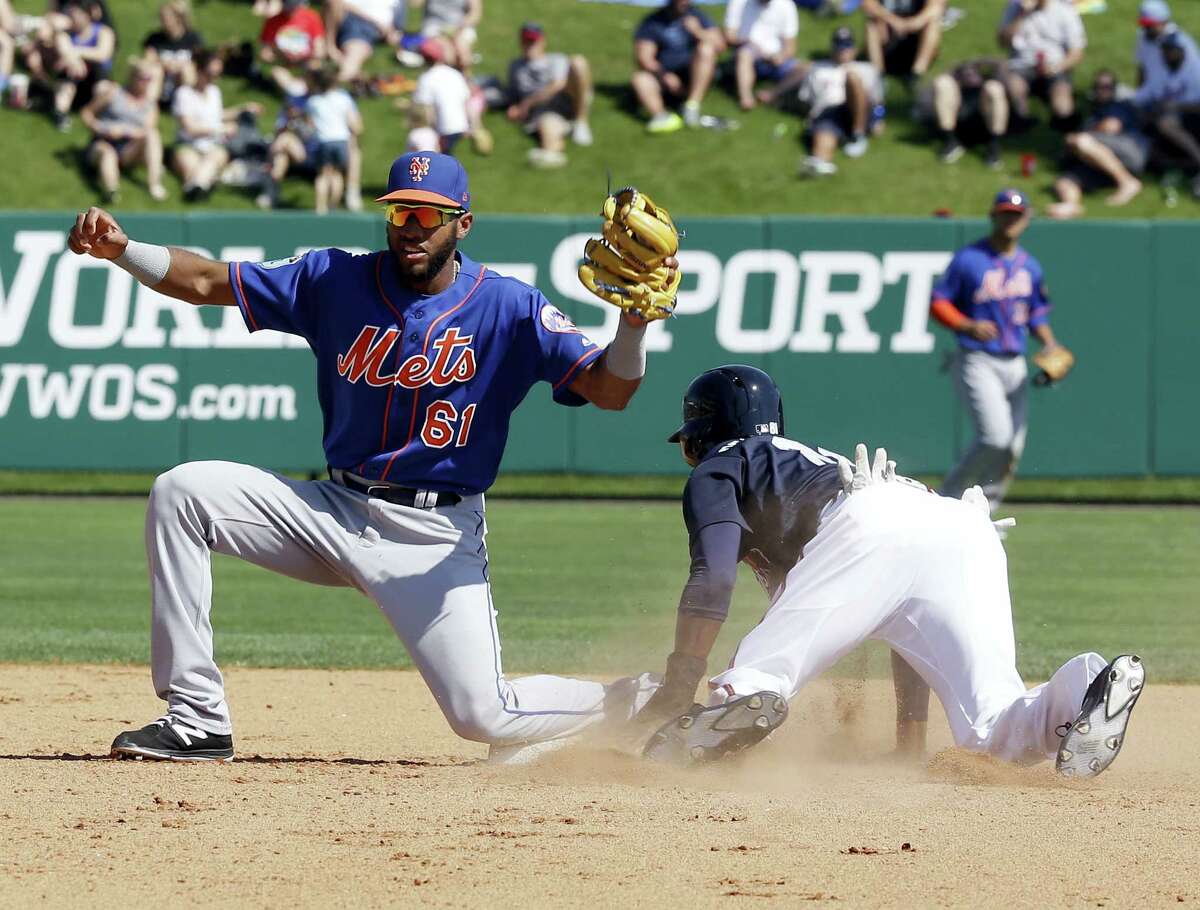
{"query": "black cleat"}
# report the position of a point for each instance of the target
(707, 734)
(170, 739)
(1091, 742)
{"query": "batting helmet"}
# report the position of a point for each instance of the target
(730, 402)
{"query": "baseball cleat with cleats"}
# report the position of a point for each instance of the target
(1091, 742)
(170, 739)
(708, 734)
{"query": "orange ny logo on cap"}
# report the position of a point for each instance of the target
(418, 168)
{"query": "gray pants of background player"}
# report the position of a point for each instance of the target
(427, 570)
(995, 391)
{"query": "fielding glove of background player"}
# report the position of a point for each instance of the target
(627, 267)
(1053, 364)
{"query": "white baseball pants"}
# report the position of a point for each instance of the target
(995, 391)
(927, 575)
(426, 569)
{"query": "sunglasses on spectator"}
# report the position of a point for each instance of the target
(427, 216)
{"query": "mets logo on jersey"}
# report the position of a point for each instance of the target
(555, 320)
(996, 285)
(452, 360)
(418, 169)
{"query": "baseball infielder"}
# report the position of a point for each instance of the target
(422, 355)
(992, 296)
(893, 561)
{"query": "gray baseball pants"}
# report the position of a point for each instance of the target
(427, 569)
(995, 390)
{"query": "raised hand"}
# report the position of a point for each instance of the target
(97, 233)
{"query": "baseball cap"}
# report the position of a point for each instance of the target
(432, 50)
(1153, 12)
(532, 31)
(842, 39)
(428, 178)
(1010, 200)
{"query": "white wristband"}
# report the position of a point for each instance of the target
(626, 357)
(146, 262)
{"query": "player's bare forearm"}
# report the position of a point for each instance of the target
(197, 279)
(1045, 335)
(912, 707)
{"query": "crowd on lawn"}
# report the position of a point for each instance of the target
(313, 59)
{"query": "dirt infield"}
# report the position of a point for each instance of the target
(351, 791)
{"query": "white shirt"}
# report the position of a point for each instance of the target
(423, 139)
(444, 88)
(825, 85)
(1050, 32)
(765, 26)
(205, 110)
(381, 12)
(1148, 54)
(330, 114)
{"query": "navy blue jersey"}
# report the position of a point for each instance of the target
(773, 488)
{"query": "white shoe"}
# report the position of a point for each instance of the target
(354, 199)
(691, 114)
(545, 159)
(856, 148)
(812, 166)
(1091, 741)
(581, 133)
(524, 753)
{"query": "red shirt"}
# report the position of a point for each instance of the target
(294, 34)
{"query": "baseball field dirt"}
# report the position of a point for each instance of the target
(350, 790)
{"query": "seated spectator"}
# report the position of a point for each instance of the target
(293, 149)
(1045, 40)
(70, 61)
(204, 125)
(291, 40)
(7, 44)
(169, 50)
(968, 106)
(454, 21)
(422, 137)
(551, 95)
(1154, 17)
(336, 125)
(844, 95)
(1171, 100)
(1111, 149)
(124, 125)
(675, 51)
(360, 25)
(451, 104)
(763, 35)
(903, 36)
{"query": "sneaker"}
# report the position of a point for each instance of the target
(691, 113)
(707, 734)
(62, 122)
(581, 133)
(410, 59)
(951, 151)
(666, 122)
(170, 739)
(354, 202)
(856, 147)
(812, 166)
(546, 159)
(1091, 742)
(992, 157)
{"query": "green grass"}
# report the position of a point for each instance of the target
(750, 171)
(580, 586)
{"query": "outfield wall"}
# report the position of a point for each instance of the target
(97, 372)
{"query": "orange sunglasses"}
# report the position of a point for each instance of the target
(427, 216)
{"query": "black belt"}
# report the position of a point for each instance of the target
(401, 496)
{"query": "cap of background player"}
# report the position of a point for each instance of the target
(531, 32)
(842, 39)
(427, 178)
(1154, 12)
(1010, 200)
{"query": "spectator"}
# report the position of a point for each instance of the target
(845, 98)
(967, 106)
(291, 40)
(169, 50)
(444, 93)
(70, 62)
(903, 36)
(1154, 17)
(204, 125)
(551, 95)
(763, 34)
(1111, 149)
(7, 44)
(422, 137)
(675, 51)
(360, 25)
(1045, 40)
(124, 125)
(1171, 100)
(454, 21)
(336, 125)
(292, 150)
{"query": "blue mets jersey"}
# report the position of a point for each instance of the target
(415, 390)
(1011, 292)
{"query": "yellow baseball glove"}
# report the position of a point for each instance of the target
(1053, 365)
(625, 267)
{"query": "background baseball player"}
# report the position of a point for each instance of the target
(893, 561)
(421, 357)
(992, 296)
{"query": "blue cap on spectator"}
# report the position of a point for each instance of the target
(1010, 200)
(842, 39)
(427, 178)
(1154, 12)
